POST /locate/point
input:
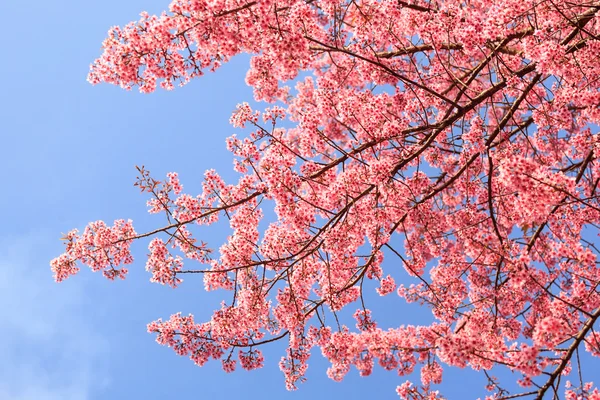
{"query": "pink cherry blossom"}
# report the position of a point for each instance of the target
(443, 152)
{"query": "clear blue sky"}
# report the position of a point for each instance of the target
(67, 157)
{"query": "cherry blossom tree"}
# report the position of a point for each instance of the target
(445, 150)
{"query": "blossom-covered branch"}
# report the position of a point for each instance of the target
(447, 151)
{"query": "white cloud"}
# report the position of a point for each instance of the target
(48, 346)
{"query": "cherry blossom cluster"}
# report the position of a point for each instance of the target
(585, 392)
(443, 152)
(163, 266)
(100, 247)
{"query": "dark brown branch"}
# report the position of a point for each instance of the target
(565, 359)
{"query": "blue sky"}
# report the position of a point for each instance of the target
(67, 157)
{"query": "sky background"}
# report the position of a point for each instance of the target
(67, 157)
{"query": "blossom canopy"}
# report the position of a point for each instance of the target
(445, 150)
